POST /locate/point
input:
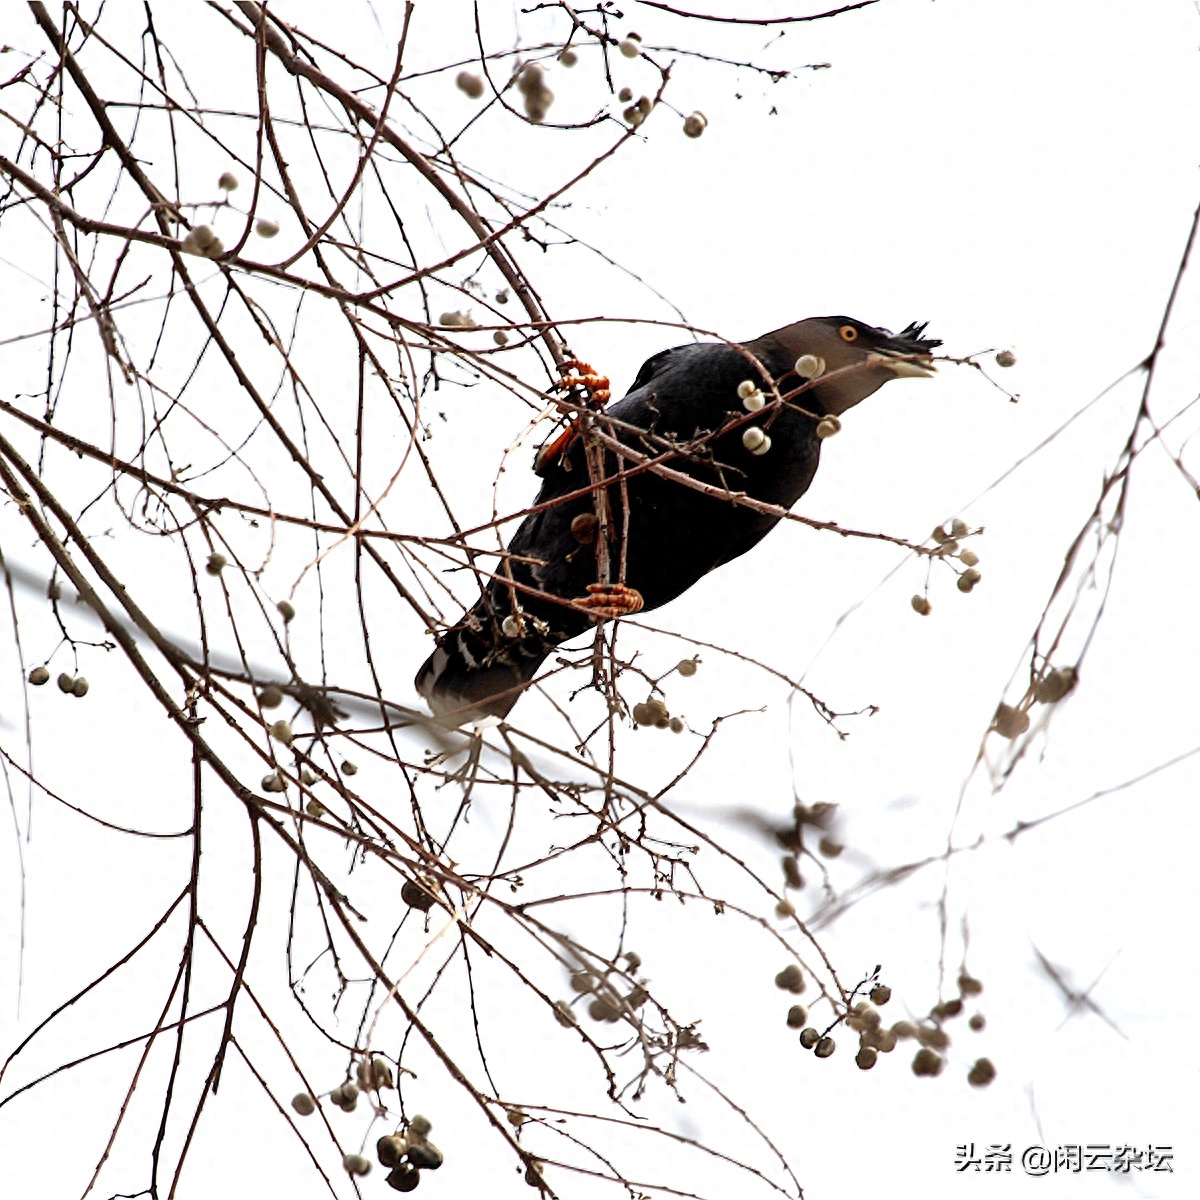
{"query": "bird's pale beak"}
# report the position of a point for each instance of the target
(914, 366)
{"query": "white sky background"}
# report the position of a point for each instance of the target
(1016, 173)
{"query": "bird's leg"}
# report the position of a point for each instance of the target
(610, 600)
(598, 394)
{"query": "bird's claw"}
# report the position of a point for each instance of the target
(610, 600)
(597, 386)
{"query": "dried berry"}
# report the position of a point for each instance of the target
(420, 896)
(469, 84)
(982, 1073)
(425, 1155)
(584, 528)
(404, 1178)
(356, 1164)
(39, 676)
(1010, 722)
(391, 1149)
(1055, 684)
(969, 985)
(791, 979)
(927, 1062)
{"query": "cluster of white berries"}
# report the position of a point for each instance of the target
(791, 979)
(531, 83)
(606, 1003)
(753, 438)
(654, 714)
(68, 684)
(635, 114)
(933, 1040)
(809, 367)
(203, 242)
(751, 395)
(874, 1038)
(949, 546)
(407, 1153)
(1054, 683)
(864, 1019)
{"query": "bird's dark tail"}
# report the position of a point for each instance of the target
(475, 672)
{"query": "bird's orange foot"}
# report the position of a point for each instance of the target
(610, 600)
(597, 386)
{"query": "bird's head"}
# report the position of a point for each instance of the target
(825, 345)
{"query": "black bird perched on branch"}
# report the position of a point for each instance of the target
(692, 468)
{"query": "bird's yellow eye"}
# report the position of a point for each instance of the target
(848, 332)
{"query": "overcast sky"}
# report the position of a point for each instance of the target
(1021, 175)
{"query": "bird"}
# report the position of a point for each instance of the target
(703, 427)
